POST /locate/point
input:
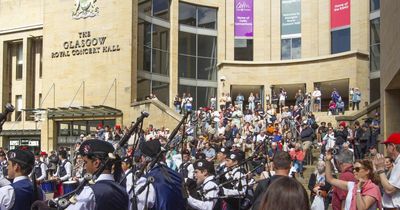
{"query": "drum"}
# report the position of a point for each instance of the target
(48, 186)
(69, 186)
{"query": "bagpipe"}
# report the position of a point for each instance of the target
(64, 201)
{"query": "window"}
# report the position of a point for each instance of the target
(244, 49)
(153, 49)
(290, 48)
(207, 17)
(197, 56)
(18, 108)
(40, 100)
(143, 88)
(187, 14)
(161, 90)
(39, 47)
(197, 16)
(20, 61)
(374, 50)
(161, 9)
(375, 5)
(340, 40)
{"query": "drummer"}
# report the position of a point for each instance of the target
(64, 171)
(40, 169)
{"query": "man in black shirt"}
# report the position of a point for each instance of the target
(282, 164)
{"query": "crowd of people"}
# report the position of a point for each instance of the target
(234, 157)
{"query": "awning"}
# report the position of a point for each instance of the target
(20, 133)
(81, 111)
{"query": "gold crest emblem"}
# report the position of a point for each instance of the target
(85, 9)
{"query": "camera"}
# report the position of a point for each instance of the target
(335, 150)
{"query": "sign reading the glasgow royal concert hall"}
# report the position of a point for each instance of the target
(244, 18)
(340, 13)
(85, 44)
(290, 17)
(85, 9)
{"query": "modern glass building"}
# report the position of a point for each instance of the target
(62, 61)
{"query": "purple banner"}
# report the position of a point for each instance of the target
(244, 18)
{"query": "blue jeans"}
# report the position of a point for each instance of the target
(298, 165)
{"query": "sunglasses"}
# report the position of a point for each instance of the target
(357, 169)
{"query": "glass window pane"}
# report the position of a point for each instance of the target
(145, 7)
(78, 128)
(187, 43)
(187, 14)
(375, 5)
(188, 90)
(207, 46)
(207, 69)
(143, 88)
(160, 37)
(207, 17)
(286, 49)
(20, 61)
(204, 94)
(187, 66)
(243, 49)
(375, 28)
(64, 129)
(340, 41)
(375, 57)
(144, 44)
(296, 48)
(160, 62)
(161, 90)
(161, 9)
(93, 125)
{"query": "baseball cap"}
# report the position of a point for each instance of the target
(394, 138)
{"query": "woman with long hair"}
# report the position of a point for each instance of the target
(362, 194)
(285, 193)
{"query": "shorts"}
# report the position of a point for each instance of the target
(281, 102)
(317, 101)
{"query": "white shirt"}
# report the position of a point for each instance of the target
(236, 176)
(208, 204)
(7, 194)
(393, 201)
(86, 200)
(141, 198)
(68, 169)
(129, 185)
(317, 94)
(260, 138)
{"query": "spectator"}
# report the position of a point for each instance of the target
(177, 103)
(239, 101)
(335, 95)
(282, 99)
(362, 193)
(318, 185)
(283, 190)
(281, 164)
(344, 163)
(391, 185)
(297, 156)
(222, 102)
(356, 98)
(299, 97)
(340, 106)
(251, 102)
(332, 108)
(316, 97)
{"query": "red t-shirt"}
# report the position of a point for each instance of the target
(339, 195)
